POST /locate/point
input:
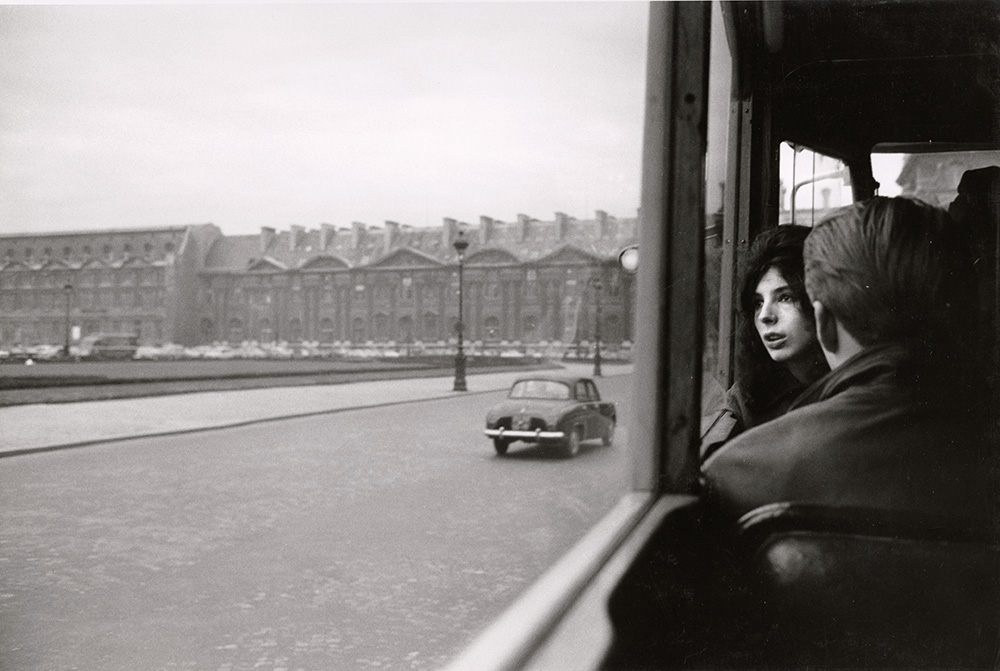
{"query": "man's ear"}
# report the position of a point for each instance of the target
(826, 328)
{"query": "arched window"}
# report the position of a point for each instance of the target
(381, 327)
(295, 330)
(430, 331)
(610, 329)
(207, 330)
(492, 328)
(326, 330)
(404, 333)
(529, 333)
(235, 331)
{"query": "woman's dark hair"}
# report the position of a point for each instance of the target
(779, 248)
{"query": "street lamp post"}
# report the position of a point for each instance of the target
(596, 283)
(461, 244)
(68, 290)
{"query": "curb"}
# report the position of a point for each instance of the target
(16, 452)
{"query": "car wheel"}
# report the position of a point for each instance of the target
(500, 445)
(572, 446)
(609, 434)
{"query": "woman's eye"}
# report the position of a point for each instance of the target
(785, 298)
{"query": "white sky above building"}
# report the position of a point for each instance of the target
(120, 116)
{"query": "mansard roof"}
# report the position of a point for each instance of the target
(93, 263)
(325, 262)
(395, 245)
(406, 258)
(56, 264)
(491, 256)
(569, 254)
(266, 263)
(133, 262)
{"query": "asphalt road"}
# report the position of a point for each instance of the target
(382, 538)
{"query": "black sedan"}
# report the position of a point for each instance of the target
(556, 410)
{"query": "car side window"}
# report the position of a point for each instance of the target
(594, 394)
(581, 391)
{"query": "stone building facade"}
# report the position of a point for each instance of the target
(140, 281)
(525, 281)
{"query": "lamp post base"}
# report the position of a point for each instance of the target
(460, 373)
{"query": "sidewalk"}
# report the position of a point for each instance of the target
(36, 428)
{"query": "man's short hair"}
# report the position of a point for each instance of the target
(891, 269)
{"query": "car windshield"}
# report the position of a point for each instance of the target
(547, 389)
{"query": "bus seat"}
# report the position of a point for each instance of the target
(860, 588)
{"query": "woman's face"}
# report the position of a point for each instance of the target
(788, 334)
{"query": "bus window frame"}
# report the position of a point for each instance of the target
(665, 419)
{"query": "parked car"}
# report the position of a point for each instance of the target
(108, 346)
(561, 411)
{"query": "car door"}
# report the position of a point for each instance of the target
(602, 409)
(584, 409)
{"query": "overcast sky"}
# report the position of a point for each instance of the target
(269, 115)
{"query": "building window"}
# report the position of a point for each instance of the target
(492, 327)
(381, 327)
(266, 331)
(358, 330)
(530, 330)
(295, 330)
(207, 329)
(431, 326)
(235, 331)
(326, 330)
(405, 330)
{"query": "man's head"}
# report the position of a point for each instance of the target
(883, 271)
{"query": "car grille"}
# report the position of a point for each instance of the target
(527, 423)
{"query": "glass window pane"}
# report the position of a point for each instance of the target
(720, 82)
(932, 177)
(812, 185)
(387, 535)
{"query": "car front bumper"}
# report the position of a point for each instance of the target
(537, 434)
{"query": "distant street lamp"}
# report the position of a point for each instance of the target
(596, 283)
(461, 244)
(68, 290)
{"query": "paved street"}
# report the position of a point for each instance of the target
(381, 537)
(40, 426)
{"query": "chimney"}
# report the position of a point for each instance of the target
(357, 234)
(391, 236)
(562, 224)
(524, 226)
(295, 236)
(266, 238)
(606, 225)
(485, 229)
(326, 234)
(448, 232)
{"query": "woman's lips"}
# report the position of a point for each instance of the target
(774, 339)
